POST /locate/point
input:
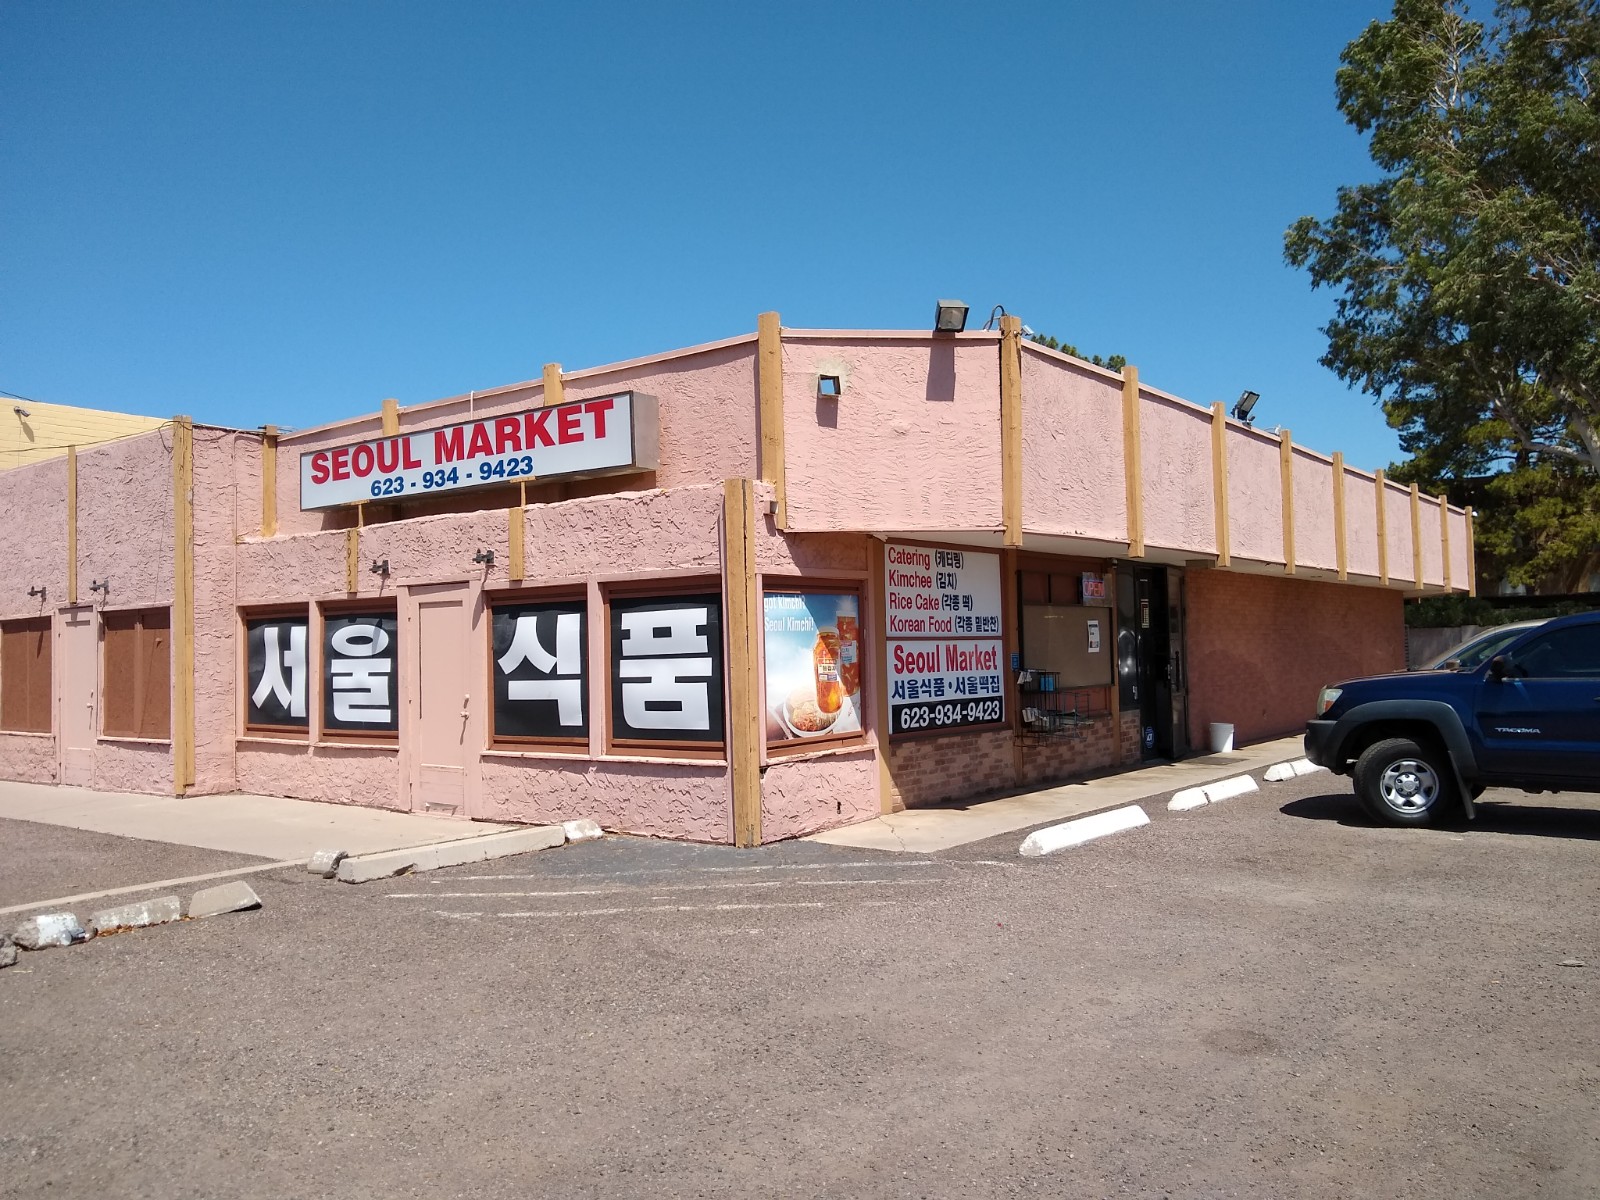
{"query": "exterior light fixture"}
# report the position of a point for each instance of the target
(829, 387)
(103, 586)
(486, 557)
(1245, 405)
(20, 411)
(950, 316)
(380, 567)
(36, 591)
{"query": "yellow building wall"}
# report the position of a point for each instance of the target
(31, 432)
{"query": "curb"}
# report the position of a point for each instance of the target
(1278, 772)
(1084, 829)
(1222, 789)
(363, 868)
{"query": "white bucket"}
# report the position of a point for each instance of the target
(1221, 738)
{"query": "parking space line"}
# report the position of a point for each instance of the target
(676, 887)
(677, 908)
(158, 886)
(687, 870)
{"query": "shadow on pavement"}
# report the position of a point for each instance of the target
(1493, 816)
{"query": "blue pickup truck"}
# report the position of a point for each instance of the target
(1420, 744)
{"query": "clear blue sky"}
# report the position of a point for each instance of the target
(284, 212)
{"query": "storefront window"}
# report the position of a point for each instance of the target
(539, 656)
(813, 665)
(137, 690)
(276, 679)
(25, 687)
(667, 671)
(359, 687)
(1068, 656)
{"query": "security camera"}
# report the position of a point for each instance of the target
(1027, 331)
(20, 411)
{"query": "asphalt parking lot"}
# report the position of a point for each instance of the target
(1265, 997)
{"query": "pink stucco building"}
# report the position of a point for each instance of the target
(734, 593)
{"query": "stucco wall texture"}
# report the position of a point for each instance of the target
(1072, 463)
(1261, 646)
(1175, 441)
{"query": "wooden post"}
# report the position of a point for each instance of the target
(72, 524)
(1219, 484)
(554, 390)
(269, 481)
(517, 523)
(352, 559)
(1380, 489)
(1011, 641)
(1472, 554)
(769, 389)
(1416, 536)
(880, 697)
(1444, 537)
(391, 417)
(1133, 461)
(746, 727)
(1340, 545)
(1011, 428)
(183, 605)
(1286, 475)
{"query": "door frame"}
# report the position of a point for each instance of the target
(470, 593)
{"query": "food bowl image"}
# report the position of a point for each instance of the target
(802, 717)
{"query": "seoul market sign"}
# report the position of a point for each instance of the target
(609, 435)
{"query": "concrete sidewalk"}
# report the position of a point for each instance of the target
(927, 830)
(268, 827)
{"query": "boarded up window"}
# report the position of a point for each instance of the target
(25, 688)
(137, 690)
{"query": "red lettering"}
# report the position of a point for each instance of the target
(598, 409)
(411, 459)
(319, 467)
(535, 432)
(448, 445)
(341, 463)
(388, 455)
(567, 427)
(479, 444)
(507, 434)
(362, 461)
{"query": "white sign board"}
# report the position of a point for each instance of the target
(607, 435)
(943, 646)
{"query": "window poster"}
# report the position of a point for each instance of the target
(359, 692)
(943, 649)
(666, 669)
(541, 687)
(275, 656)
(813, 654)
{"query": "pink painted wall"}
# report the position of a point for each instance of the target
(913, 444)
(33, 533)
(1397, 513)
(367, 775)
(1072, 470)
(1432, 543)
(708, 425)
(1255, 496)
(1361, 524)
(1315, 544)
(29, 757)
(803, 796)
(675, 800)
(217, 454)
(1175, 448)
(125, 520)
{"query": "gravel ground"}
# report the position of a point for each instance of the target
(1263, 998)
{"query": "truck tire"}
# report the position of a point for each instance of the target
(1401, 782)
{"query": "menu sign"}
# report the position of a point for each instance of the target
(943, 648)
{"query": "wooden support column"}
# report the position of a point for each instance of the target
(517, 526)
(880, 692)
(1011, 643)
(183, 731)
(1286, 476)
(1444, 537)
(391, 417)
(1341, 553)
(72, 524)
(1133, 461)
(1416, 537)
(746, 728)
(269, 481)
(769, 390)
(1011, 428)
(554, 390)
(1472, 554)
(1380, 489)
(1219, 484)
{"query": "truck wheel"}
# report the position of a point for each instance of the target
(1403, 783)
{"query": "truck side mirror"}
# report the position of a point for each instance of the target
(1499, 667)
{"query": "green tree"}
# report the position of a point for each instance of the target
(1115, 363)
(1468, 273)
